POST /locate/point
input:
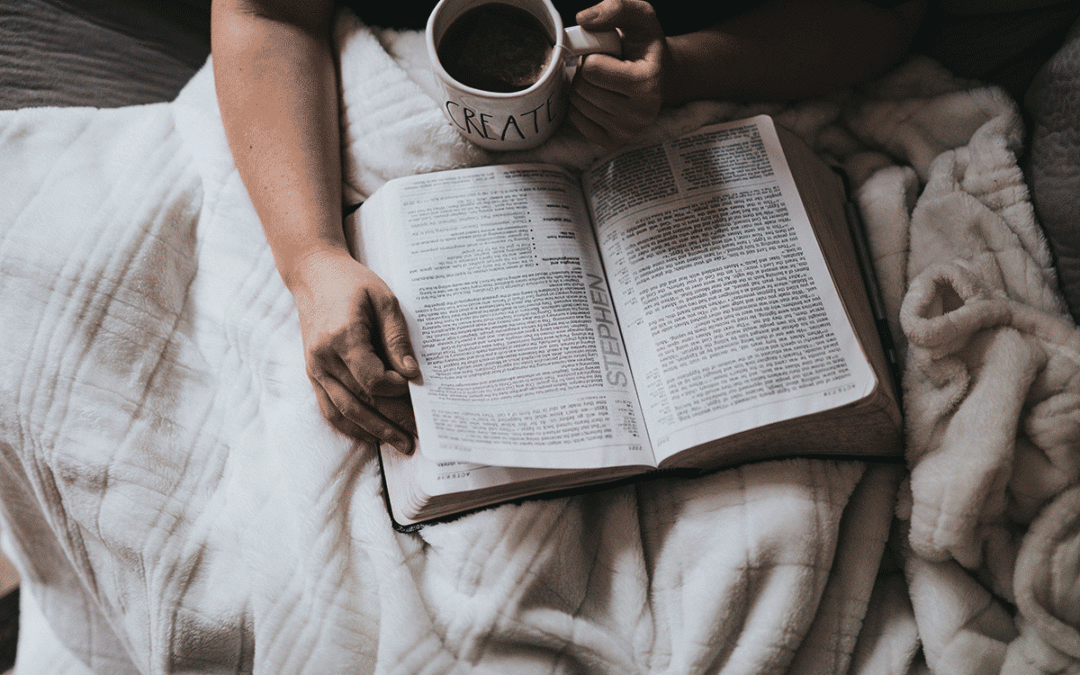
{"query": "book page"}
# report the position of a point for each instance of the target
(497, 272)
(447, 477)
(437, 478)
(730, 317)
(420, 489)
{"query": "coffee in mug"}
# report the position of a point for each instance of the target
(504, 67)
(496, 47)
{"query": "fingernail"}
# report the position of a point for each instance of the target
(404, 445)
(410, 362)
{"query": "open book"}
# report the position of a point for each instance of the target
(692, 304)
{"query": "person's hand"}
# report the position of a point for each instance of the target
(357, 349)
(613, 100)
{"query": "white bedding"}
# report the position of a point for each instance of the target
(174, 501)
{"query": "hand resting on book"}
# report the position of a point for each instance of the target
(359, 357)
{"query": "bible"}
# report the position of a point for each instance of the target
(691, 304)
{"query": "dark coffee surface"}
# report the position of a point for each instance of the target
(496, 47)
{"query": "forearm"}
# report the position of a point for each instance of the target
(789, 49)
(277, 90)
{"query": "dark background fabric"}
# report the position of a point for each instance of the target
(110, 53)
(1006, 46)
(102, 53)
(1054, 101)
(676, 16)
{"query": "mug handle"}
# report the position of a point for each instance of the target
(580, 41)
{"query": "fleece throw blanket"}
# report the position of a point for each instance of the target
(174, 502)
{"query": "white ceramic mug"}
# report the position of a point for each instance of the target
(520, 119)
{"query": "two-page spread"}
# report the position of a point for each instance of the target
(674, 298)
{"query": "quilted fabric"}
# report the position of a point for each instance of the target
(175, 502)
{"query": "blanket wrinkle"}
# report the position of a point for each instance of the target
(971, 630)
(390, 108)
(991, 364)
(888, 639)
(865, 530)
(885, 199)
(1049, 601)
(237, 532)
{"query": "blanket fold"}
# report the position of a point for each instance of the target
(174, 500)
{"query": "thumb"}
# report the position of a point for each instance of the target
(601, 16)
(394, 335)
(628, 15)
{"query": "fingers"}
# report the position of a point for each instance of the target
(330, 411)
(394, 336)
(607, 132)
(363, 373)
(627, 15)
(614, 100)
(359, 395)
(399, 410)
(357, 350)
(628, 78)
(375, 350)
(635, 109)
(354, 417)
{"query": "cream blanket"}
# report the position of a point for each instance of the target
(174, 501)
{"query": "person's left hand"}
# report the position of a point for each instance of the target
(613, 100)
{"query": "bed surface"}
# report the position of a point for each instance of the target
(260, 542)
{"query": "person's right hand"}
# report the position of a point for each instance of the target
(613, 100)
(356, 347)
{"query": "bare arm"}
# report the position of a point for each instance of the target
(790, 49)
(785, 49)
(277, 90)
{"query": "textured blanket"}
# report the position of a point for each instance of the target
(175, 502)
